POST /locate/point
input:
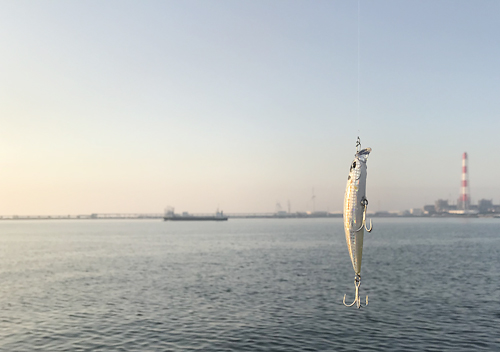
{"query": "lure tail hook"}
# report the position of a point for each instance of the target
(357, 301)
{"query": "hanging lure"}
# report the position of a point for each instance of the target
(355, 204)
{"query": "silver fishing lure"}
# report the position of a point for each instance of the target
(355, 204)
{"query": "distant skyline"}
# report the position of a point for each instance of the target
(130, 107)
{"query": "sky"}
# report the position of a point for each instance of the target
(133, 106)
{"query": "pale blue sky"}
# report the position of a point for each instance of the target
(130, 106)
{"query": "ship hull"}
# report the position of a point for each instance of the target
(195, 218)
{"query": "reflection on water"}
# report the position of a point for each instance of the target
(248, 285)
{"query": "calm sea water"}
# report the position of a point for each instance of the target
(248, 285)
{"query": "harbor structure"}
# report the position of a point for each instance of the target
(170, 215)
(464, 199)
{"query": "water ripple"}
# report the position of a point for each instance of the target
(247, 285)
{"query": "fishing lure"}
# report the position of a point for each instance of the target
(355, 204)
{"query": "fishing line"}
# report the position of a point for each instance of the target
(358, 68)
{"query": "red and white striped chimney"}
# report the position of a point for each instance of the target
(464, 199)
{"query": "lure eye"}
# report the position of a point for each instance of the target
(353, 165)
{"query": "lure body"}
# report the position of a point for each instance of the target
(355, 204)
(355, 208)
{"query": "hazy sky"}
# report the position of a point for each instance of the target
(131, 106)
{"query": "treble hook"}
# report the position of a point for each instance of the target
(357, 301)
(358, 145)
(364, 203)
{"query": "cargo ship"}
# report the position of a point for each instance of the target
(170, 215)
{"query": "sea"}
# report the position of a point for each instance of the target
(248, 285)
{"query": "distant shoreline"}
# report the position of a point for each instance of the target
(118, 216)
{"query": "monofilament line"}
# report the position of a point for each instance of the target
(358, 67)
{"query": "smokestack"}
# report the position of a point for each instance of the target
(464, 200)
